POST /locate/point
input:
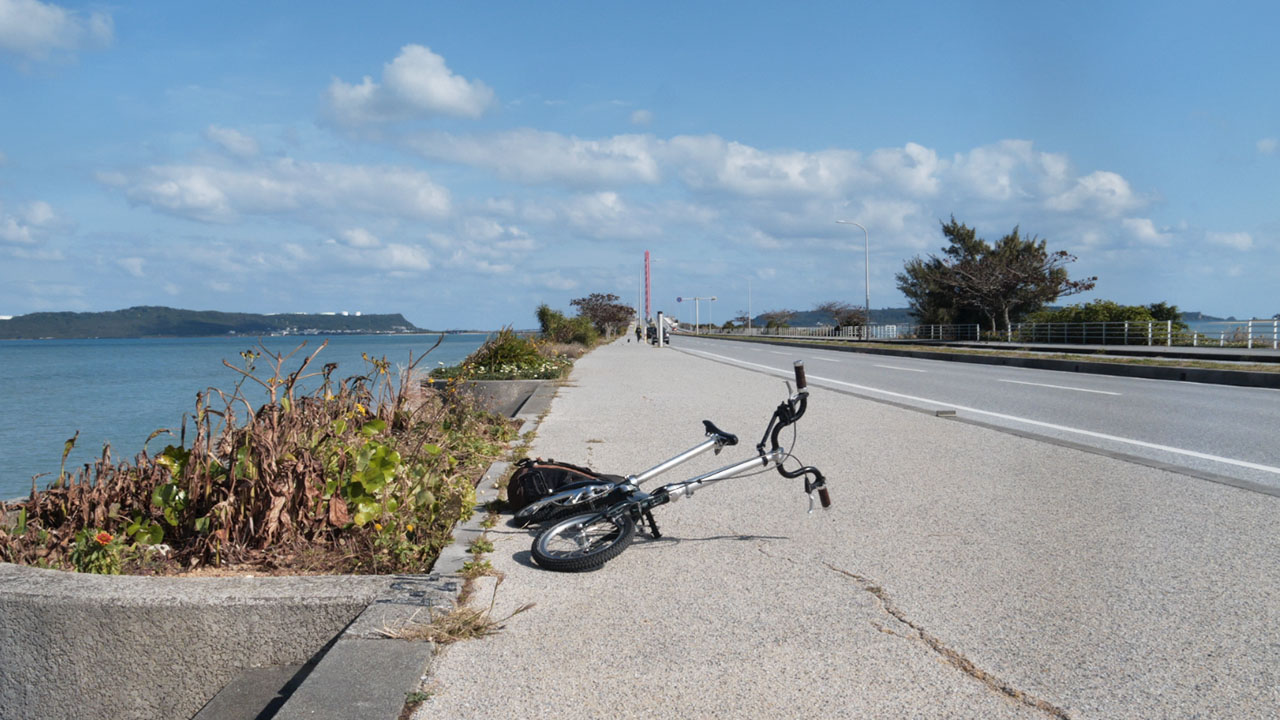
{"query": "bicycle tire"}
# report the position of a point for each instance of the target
(582, 542)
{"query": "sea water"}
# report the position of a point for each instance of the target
(119, 391)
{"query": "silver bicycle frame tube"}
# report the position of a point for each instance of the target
(666, 465)
(685, 488)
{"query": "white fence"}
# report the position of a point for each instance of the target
(865, 332)
(1255, 333)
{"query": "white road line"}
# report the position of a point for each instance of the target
(1061, 387)
(815, 357)
(1015, 418)
(895, 367)
(775, 352)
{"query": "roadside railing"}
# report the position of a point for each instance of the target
(1254, 333)
(864, 332)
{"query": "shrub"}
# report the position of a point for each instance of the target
(555, 327)
(508, 356)
(359, 475)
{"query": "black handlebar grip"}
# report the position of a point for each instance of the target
(824, 497)
(801, 383)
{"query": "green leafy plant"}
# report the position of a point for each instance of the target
(97, 551)
(508, 356)
(477, 567)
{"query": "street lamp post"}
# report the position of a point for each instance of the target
(695, 300)
(866, 238)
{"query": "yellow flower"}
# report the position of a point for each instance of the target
(409, 527)
(360, 409)
(377, 526)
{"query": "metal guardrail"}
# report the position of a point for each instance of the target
(1254, 333)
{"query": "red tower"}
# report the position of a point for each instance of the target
(647, 314)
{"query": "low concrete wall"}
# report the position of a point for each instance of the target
(504, 397)
(76, 646)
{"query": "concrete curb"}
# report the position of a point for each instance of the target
(1241, 378)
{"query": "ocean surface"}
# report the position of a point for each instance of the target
(119, 391)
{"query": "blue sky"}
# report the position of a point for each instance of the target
(462, 162)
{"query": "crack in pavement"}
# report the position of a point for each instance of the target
(951, 656)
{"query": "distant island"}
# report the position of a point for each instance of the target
(153, 321)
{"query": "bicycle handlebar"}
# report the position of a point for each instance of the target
(801, 382)
(796, 411)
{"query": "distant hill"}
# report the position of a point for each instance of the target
(813, 318)
(152, 321)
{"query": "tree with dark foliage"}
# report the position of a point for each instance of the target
(605, 312)
(844, 314)
(1002, 282)
(777, 318)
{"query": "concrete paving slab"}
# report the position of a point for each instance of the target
(963, 572)
(255, 693)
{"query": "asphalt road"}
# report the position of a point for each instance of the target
(962, 572)
(1216, 432)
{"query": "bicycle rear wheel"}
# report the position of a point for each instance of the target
(583, 542)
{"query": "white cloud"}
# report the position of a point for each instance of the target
(232, 141)
(642, 117)
(913, 168)
(607, 215)
(404, 257)
(1006, 178)
(709, 162)
(888, 214)
(11, 232)
(359, 238)
(534, 156)
(40, 214)
(1267, 146)
(1100, 191)
(34, 30)
(221, 195)
(1235, 240)
(132, 265)
(1144, 230)
(554, 280)
(416, 83)
(29, 225)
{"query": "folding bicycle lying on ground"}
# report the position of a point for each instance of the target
(591, 522)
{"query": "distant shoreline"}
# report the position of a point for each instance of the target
(251, 336)
(143, 322)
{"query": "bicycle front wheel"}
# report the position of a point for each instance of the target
(583, 542)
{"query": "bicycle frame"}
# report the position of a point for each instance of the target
(600, 518)
(627, 495)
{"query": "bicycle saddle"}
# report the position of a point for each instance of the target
(725, 438)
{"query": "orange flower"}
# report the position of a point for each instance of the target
(103, 538)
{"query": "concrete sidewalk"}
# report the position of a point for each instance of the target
(962, 573)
